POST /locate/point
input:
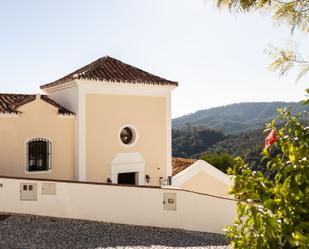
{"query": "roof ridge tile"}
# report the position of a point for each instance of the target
(113, 70)
(10, 102)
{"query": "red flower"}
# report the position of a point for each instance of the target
(270, 139)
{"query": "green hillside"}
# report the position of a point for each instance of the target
(189, 141)
(236, 118)
(193, 142)
(248, 145)
(234, 130)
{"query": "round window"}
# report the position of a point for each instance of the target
(127, 135)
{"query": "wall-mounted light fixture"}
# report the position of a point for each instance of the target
(147, 177)
(165, 181)
(161, 181)
(109, 180)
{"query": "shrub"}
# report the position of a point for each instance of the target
(273, 207)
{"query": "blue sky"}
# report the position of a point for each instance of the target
(217, 57)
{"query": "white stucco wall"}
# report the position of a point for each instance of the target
(77, 96)
(202, 177)
(121, 204)
(37, 119)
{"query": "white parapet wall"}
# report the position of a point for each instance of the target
(118, 204)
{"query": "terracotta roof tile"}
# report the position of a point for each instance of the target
(179, 164)
(10, 102)
(110, 69)
(61, 110)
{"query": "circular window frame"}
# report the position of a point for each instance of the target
(135, 135)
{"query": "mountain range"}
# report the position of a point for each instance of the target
(236, 118)
(235, 129)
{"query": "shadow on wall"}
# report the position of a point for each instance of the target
(28, 231)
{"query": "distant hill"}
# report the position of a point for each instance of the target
(189, 141)
(236, 118)
(248, 145)
(193, 142)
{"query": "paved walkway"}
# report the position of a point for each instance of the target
(34, 232)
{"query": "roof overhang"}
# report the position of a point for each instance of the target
(122, 86)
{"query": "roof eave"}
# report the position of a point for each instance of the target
(10, 114)
(55, 86)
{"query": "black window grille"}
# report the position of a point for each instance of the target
(39, 152)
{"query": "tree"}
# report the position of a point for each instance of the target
(273, 207)
(295, 13)
(192, 140)
(220, 161)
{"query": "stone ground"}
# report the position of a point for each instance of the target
(35, 232)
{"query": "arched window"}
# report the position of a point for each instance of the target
(38, 155)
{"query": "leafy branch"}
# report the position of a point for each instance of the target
(273, 208)
(295, 13)
(286, 59)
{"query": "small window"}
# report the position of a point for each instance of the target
(127, 135)
(25, 187)
(38, 155)
(30, 188)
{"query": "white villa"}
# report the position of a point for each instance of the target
(107, 122)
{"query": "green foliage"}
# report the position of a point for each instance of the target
(306, 102)
(248, 145)
(192, 140)
(273, 212)
(294, 13)
(220, 161)
(286, 59)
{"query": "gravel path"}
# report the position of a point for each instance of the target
(34, 232)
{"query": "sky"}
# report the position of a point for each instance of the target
(217, 57)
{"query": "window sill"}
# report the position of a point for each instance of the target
(37, 172)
